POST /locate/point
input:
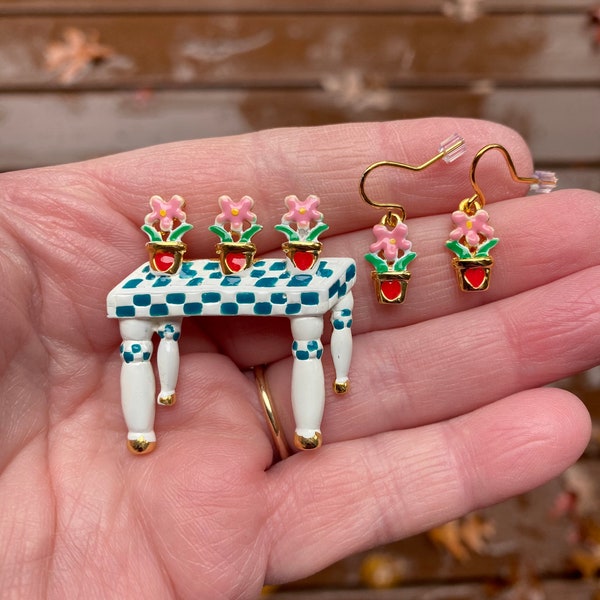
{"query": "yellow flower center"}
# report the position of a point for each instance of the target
(235, 212)
(469, 225)
(163, 212)
(302, 210)
(392, 241)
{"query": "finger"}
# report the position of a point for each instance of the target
(327, 161)
(541, 239)
(355, 495)
(268, 165)
(445, 367)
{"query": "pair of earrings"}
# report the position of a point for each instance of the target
(471, 240)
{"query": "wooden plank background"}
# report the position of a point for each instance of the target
(180, 70)
(184, 69)
(275, 6)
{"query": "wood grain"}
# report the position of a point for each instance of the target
(284, 6)
(546, 590)
(89, 124)
(305, 50)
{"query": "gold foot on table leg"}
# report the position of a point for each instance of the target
(167, 400)
(140, 445)
(308, 443)
(341, 387)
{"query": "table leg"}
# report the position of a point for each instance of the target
(308, 382)
(341, 342)
(167, 358)
(137, 384)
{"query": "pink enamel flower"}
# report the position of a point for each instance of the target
(302, 212)
(235, 213)
(390, 241)
(166, 212)
(470, 227)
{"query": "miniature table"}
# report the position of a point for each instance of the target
(146, 303)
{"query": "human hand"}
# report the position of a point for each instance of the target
(446, 412)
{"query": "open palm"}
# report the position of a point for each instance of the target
(445, 414)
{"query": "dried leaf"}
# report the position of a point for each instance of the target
(463, 537)
(77, 52)
(564, 504)
(590, 531)
(578, 481)
(380, 570)
(465, 11)
(586, 561)
(351, 89)
(448, 537)
(268, 589)
(475, 532)
(524, 583)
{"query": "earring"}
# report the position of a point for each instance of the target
(472, 238)
(392, 252)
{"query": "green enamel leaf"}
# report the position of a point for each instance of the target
(151, 233)
(458, 249)
(245, 237)
(402, 262)
(291, 234)
(177, 234)
(223, 234)
(485, 248)
(317, 231)
(380, 265)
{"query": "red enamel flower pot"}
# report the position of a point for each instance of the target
(235, 256)
(390, 286)
(166, 257)
(473, 274)
(302, 255)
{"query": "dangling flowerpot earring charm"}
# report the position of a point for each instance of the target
(471, 241)
(392, 252)
(390, 255)
(472, 237)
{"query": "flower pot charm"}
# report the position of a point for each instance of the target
(472, 238)
(302, 225)
(165, 226)
(390, 255)
(392, 252)
(471, 241)
(235, 250)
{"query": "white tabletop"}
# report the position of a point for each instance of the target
(200, 288)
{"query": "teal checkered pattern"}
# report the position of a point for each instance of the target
(200, 288)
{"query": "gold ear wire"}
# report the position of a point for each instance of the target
(450, 149)
(472, 237)
(391, 252)
(544, 180)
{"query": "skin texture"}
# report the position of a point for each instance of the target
(446, 413)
